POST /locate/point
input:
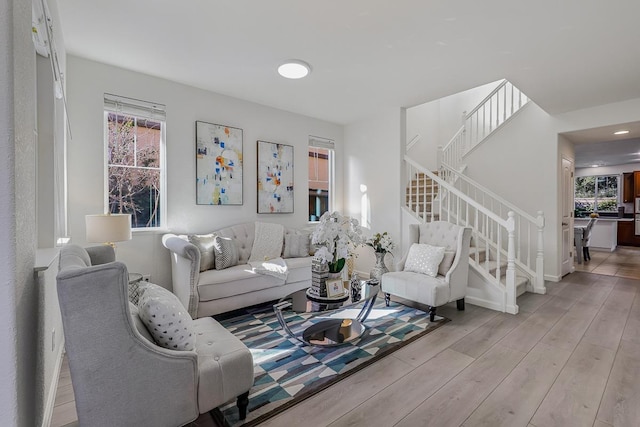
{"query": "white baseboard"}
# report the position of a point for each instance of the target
(53, 388)
(551, 278)
(492, 305)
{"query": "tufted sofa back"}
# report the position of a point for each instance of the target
(243, 236)
(439, 233)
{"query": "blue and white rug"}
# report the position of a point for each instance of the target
(286, 372)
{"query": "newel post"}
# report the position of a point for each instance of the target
(511, 307)
(539, 287)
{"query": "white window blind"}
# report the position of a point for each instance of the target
(136, 107)
(316, 141)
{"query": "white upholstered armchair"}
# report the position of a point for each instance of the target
(120, 376)
(451, 277)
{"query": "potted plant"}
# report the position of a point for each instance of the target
(381, 244)
(337, 236)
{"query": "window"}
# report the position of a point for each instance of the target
(596, 194)
(320, 177)
(134, 139)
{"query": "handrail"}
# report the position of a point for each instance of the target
(487, 98)
(493, 195)
(457, 192)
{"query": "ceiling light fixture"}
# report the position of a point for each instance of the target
(294, 69)
(594, 166)
(621, 132)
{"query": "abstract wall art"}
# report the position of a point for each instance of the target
(218, 164)
(275, 178)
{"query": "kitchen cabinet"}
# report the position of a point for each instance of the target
(628, 186)
(627, 234)
(636, 183)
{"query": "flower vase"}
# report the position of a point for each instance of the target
(379, 269)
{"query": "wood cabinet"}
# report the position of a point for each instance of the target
(628, 187)
(627, 234)
(636, 183)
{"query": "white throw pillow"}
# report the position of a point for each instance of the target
(204, 243)
(267, 243)
(296, 245)
(166, 319)
(425, 259)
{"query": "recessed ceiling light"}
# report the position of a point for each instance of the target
(621, 132)
(594, 166)
(294, 69)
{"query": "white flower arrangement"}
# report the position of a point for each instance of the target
(381, 242)
(337, 235)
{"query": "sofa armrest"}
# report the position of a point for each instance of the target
(101, 254)
(185, 271)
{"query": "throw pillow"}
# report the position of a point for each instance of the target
(425, 259)
(267, 243)
(296, 245)
(226, 252)
(165, 318)
(204, 243)
(446, 263)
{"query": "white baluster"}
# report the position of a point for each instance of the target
(512, 307)
(539, 285)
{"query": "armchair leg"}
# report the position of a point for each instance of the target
(243, 403)
(460, 304)
(387, 299)
(432, 314)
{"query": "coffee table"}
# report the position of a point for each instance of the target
(330, 326)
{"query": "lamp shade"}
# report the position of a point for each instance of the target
(108, 228)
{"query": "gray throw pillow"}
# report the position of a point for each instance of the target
(166, 318)
(446, 263)
(296, 245)
(204, 243)
(226, 252)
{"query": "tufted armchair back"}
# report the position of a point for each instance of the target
(439, 233)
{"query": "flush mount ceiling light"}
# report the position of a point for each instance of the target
(294, 69)
(595, 166)
(621, 132)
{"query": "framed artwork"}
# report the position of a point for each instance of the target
(218, 164)
(275, 178)
(335, 288)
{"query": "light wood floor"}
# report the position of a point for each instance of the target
(623, 262)
(569, 358)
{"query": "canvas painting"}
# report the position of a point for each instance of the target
(218, 164)
(275, 178)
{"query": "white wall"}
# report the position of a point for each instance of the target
(373, 149)
(438, 121)
(87, 83)
(521, 163)
(18, 296)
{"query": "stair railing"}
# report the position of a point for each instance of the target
(498, 107)
(496, 233)
(529, 230)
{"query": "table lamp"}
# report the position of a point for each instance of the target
(108, 228)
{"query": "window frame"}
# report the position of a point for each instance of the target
(161, 163)
(595, 191)
(325, 144)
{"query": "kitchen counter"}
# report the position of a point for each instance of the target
(604, 234)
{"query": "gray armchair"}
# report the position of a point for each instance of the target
(119, 375)
(450, 284)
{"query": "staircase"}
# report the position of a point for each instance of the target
(506, 257)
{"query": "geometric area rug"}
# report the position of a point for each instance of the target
(287, 372)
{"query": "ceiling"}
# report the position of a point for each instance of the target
(600, 146)
(369, 55)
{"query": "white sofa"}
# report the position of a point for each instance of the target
(217, 291)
